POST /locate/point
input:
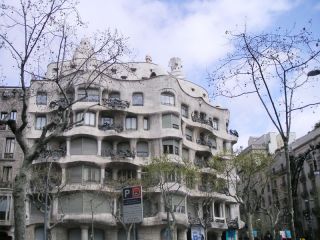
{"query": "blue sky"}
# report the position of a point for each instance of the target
(194, 30)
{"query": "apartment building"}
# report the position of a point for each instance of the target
(123, 120)
(10, 157)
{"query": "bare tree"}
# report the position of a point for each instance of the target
(273, 66)
(47, 35)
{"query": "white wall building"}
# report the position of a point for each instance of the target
(125, 118)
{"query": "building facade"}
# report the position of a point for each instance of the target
(10, 157)
(121, 121)
(275, 195)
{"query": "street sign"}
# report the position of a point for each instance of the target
(132, 205)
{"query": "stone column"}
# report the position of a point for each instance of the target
(139, 170)
(180, 149)
(111, 234)
(68, 146)
(224, 211)
(84, 232)
(100, 95)
(102, 172)
(99, 146)
(63, 175)
(213, 215)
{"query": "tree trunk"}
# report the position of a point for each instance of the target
(19, 203)
(289, 189)
(250, 229)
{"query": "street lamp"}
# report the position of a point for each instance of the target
(313, 73)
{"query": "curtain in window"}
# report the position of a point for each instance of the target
(142, 149)
(10, 142)
(137, 99)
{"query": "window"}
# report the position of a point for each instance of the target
(137, 99)
(179, 209)
(38, 233)
(146, 123)
(13, 115)
(189, 133)
(142, 149)
(3, 115)
(83, 174)
(89, 118)
(41, 98)
(125, 174)
(114, 95)
(170, 121)
(167, 98)
(131, 123)
(217, 209)
(184, 110)
(170, 147)
(178, 204)
(107, 120)
(89, 95)
(6, 174)
(83, 146)
(4, 207)
(41, 121)
(215, 123)
(9, 150)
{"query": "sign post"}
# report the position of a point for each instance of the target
(132, 205)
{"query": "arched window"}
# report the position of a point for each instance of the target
(142, 149)
(83, 146)
(167, 98)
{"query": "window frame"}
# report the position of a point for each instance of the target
(9, 147)
(136, 102)
(41, 121)
(167, 98)
(41, 98)
(93, 95)
(185, 110)
(84, 119)
(146, 124)
(129, 123)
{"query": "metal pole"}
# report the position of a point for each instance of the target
(134, 232)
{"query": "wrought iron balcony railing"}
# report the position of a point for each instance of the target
(107, 126)
(197, 118)
(234, 133)
(5, 184)
(8, 155)
(232, 223)
(206, 143)
(60, 103)
(115, 103)
(119, 153)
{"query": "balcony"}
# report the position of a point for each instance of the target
(5, 184)
(52, 154)
(234, 133)
(205, 143)
(233, 223)
(201, 163)
(8, 155)
(60, 103)
(196, 118)
(115, 103)
(118, 153)
(205, 188)
(107, 126)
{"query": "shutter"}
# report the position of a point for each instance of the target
(75, 174)
(75, 203)
(175, 119)
(89, 146)
(166, 121)
(76, 147)
(142, 149)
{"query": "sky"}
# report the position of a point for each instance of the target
(194, 30)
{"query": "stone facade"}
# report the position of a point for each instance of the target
(10, 157)
(124, 119)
